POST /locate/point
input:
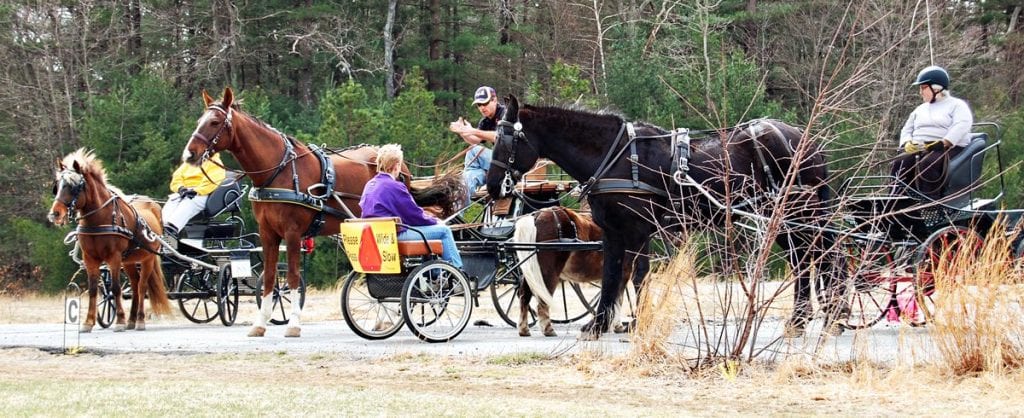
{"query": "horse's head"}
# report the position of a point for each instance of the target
(513, 153)
(213, 131)
(67, 187)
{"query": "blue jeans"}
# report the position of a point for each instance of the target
(474, 174)
(439, 232)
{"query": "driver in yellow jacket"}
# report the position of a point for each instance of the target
(190, 189)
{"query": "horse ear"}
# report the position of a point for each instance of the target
(511, 108)
(60, 165)
(206, 98)
(77, 167)
(227, 98)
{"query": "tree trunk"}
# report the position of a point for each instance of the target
(389, 49)
(1013, 20)
(133, 21)
(434, 35)
(751, 6)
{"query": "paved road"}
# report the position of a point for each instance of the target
(884, 343)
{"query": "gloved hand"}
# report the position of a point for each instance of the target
(187, 192)
(913, 146)
(936, 145)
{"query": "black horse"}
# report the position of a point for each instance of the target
(630, 172)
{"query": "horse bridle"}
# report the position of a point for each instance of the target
(75, 191)
(502, 138)
(212, 143)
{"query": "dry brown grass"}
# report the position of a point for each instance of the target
(977, 321)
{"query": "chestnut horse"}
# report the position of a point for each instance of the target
(115, 230)
(635, 172)
(299, 190)
(544, 271)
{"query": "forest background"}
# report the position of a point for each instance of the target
(125, 78)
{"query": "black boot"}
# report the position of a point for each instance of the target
(171, 237)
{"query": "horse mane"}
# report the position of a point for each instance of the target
(578, 113)
(91, 165)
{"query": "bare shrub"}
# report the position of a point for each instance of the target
(977, 322)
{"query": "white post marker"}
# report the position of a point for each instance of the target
(72, 315)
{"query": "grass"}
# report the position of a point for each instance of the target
(519, 359)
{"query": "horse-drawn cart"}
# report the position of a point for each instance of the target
(433, 298)
(213, 263)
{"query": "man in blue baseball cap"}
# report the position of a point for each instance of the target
(478, 158)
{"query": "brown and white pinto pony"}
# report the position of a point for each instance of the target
(262, 151)
(544, 271)
(113, 229)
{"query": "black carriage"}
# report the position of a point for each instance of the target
(213, 263)
(892, 236)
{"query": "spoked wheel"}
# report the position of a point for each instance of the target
(369, 316)
(106, 308)
(870, 288)
(227, 296)
(578, 300)
(943, 252)
(436, 302)
(506, 293)
(196, 292)
(282, 298)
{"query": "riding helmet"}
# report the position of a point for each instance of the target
(933, 75)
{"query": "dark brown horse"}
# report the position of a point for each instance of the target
(299, 190)
(636, 173)
(544, 271)
(115, 230)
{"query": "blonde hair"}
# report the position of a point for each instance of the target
(389, 156)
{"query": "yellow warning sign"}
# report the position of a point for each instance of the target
(372, 245)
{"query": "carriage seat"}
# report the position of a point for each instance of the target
(225, 198)
(417, 247)
(965, 170)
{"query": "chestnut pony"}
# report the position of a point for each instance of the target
(299, 190)
(113, 229)
(634, 173)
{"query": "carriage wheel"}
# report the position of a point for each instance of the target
(934, 255)
(578, 300)
(505, 293)
(282, 298)
(437, 301)
(106, 308)
(227, 296)
(369, 317)
(196, 291)
(869, 285)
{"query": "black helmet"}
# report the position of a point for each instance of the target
(933, 75)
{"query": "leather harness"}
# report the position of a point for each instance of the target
(679, 146)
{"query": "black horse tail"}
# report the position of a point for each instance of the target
(446, 192)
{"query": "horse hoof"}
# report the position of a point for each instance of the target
(257, 331)
(524, 333)
(140, 327)
(131, 325)
(120, 328)
(293, 332)
(550, 333)
(793, 331)
(85, 329)
(835, 329)
(623, 327)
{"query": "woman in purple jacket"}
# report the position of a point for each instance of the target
(385, 196)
